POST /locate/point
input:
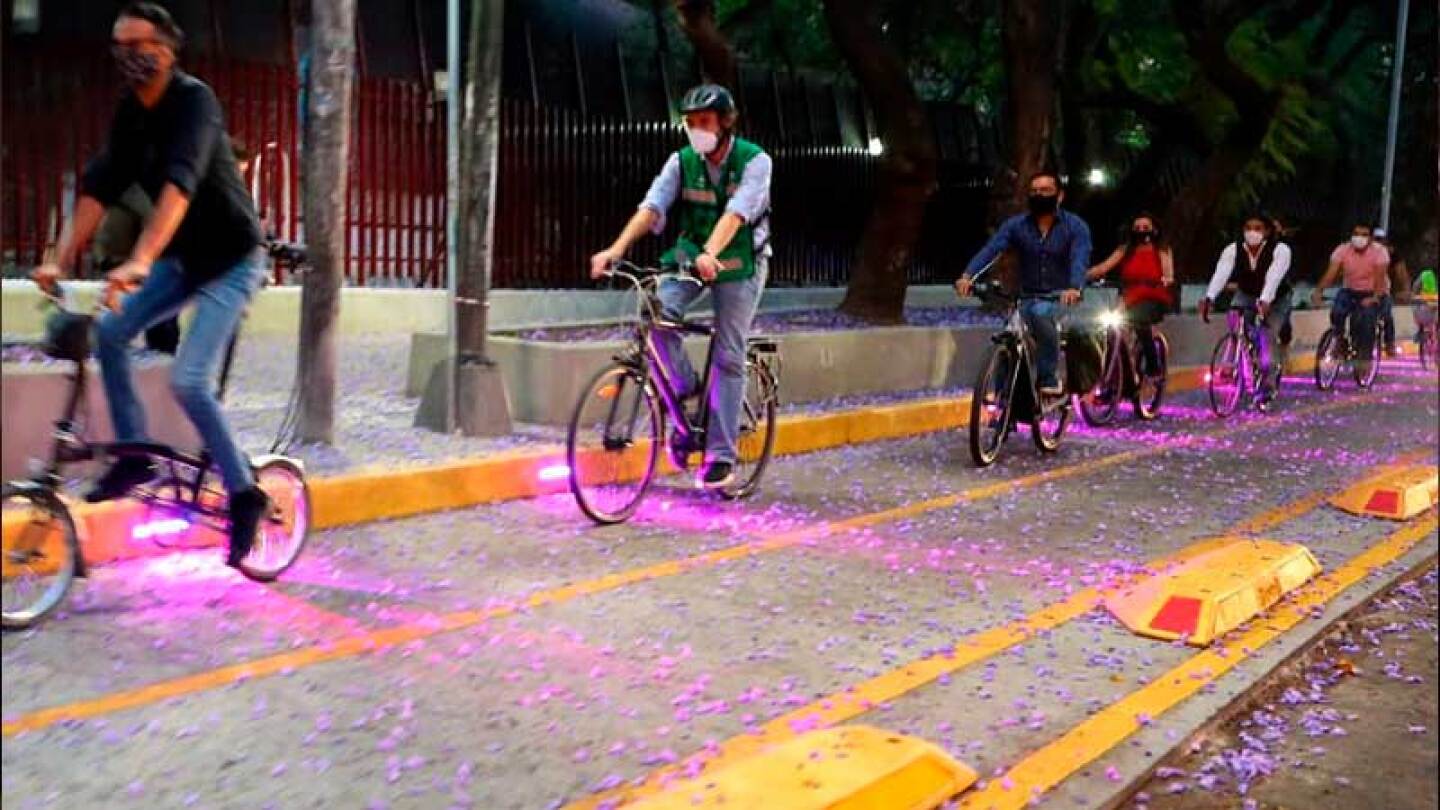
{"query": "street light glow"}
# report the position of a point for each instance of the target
(1098, 177)
(876, 146)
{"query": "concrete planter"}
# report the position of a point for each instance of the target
(543, 379)
(33, 396)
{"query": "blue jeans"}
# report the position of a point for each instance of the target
(735, 303)
(219, 305)
(1040, 318)
(1362, 327)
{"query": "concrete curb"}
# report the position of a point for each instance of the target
(106, 530)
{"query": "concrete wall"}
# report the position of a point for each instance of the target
(543, 380)
(32, 396)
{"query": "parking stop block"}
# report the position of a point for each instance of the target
(841, 768)
(1400, 495)
(1212, 593)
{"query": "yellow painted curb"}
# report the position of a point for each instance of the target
(1210, 594)
(846, 768)
(1401, 495)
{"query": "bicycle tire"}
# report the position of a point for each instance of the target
(592, 458)
(1327, 364)
(1147, 406)
(763, 382)
(23, 547)
(1222, 404)
(282, 532)
(1000, 364)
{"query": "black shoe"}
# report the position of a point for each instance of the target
(717, 475)
(246, 509)
(124, 475)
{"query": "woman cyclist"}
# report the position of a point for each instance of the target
(1147, 269)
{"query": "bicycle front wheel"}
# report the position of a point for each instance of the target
(1226, 381)
(1366, 372)
(1327, 361)
(613, 445)
(1099, 405)
(1151, 390)
(757, 431)
(285, 526)
(990, 405)
(42, 553)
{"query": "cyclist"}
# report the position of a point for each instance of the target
(1147, 269)
(1423, 291)
(1363, 268)
(722, 183)
(201, 243)
(1052, 246)
(1397, 289)
(1258, 264)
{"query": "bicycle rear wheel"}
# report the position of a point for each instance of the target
(613, 445)
(1226, 381)
(1327, 361)
(1429, 349)
(1150, 392)
(41, 554)
(285, 526)
(990, 405)
(757, 431)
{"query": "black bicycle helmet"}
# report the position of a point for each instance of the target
(708, 97)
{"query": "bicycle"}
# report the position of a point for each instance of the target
(616, 431)
(1428, 332)
(42, 545)
(999, 400)
(1337, 349)
(1120, 375)
(1235, 364)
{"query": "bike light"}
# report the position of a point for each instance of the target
(1208, 376)
(554, 472)
(1111, 318)
(155, 528)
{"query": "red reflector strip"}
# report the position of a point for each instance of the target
(1384, 500)
(1179, 615)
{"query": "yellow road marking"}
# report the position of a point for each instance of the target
(352, 646)
(866, 695)
(1097, 734)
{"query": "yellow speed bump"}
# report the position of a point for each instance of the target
(1400, 495)
(842, 768)
(1212, 593)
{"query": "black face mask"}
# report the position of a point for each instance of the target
(1043, 203)
(1142, 237)
(137, 68)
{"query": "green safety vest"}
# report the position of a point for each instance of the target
(1427, 282)
(701, 206)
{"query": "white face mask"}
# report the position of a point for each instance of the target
(1254, 238)
(1360, 242)
(702, 141)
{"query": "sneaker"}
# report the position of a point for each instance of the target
(246, 509)
(717, 475)
(124, 475)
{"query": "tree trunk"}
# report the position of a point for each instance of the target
(697, 19)
(1030, 34)
(1192, 217)
(907, 172)
(327, 147)
(481, 133)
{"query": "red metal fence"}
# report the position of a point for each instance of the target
(57, 107)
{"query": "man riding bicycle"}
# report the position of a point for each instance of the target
(202, 243)
(1364, 268)
(722, 184)
(1258, 264)
(1053, 248)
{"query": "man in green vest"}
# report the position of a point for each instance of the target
(722, 183)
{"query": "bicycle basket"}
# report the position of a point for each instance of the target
(1084, 358)
(67, 336)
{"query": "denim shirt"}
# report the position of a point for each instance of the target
(750, 201)
(1057, 261)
